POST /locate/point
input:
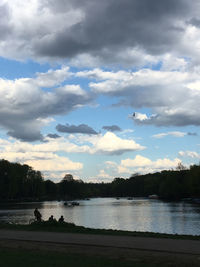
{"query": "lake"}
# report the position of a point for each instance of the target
(138, 214)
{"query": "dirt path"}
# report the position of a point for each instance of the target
(187, 251)
(142, 243)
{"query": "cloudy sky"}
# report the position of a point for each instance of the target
(100, 89)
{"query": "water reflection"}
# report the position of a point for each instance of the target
(138, 214)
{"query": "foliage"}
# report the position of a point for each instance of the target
(21, 182)
(24, 257)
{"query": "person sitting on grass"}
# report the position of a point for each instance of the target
(61, 219)
(37, 215)
(52, 219)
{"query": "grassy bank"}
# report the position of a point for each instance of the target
(24, 258)
(21, 257)
(72, 228)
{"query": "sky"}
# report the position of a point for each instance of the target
(100, 89)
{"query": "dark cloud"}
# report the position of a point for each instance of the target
(114, 26)
(102, 29)
(195, 22)
(82, 128)
(176, 119)
(192, 134)
(54, 136)
(112, 128)
(5, 27)
(25, 108)
(26, 136)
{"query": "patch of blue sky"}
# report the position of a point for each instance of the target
(83, 82)
(3, 134)
(153, 66)
(11, 69)
(92, 164)
(169, 146)
(97, 116)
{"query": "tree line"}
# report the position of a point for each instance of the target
(22, 182)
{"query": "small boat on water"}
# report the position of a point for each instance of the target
(74, 203)
(71, 204)
(153, 196)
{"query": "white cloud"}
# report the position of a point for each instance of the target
(52, 77)
(57, 163)
(144, 165)
(109, 143)
(43, 161)
(139, 116)
(112, 144)
(110, 164)
(46, 156)
(190, 154)
(171, 96)
(172, 63)
(175, 134)
(43, 156)
(103, 175)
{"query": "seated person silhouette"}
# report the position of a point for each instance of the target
(52, 219)
(61, 219)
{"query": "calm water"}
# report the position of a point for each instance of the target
(135, 215)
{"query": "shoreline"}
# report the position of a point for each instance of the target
(56, 227)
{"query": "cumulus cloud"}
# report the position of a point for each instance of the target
(144, 165)
(170, 96)
(103, 175)
(46, 156)
(26, 107)
(39, 158)
(190, 154)
(82, 128)
(112, 128)
(114, 145)
(101, 30)
(107, 144)
(56, 164)
(20, 151)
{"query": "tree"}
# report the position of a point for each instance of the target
(180, 167)
(68, 177)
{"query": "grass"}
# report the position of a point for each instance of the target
(24, 258)
(72, 228)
